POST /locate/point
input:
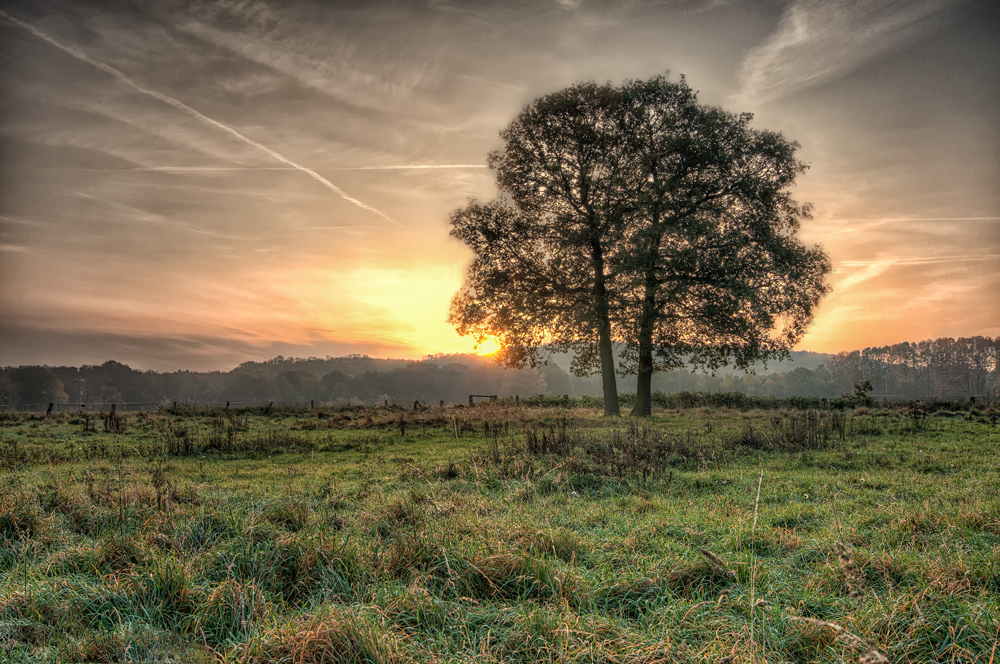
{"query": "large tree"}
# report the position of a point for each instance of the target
(541, 278)
(634, 214)
(712, 273)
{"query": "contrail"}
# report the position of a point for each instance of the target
(394, 167)
(266, 168)
(930, 260)
(851, 225)
(181, 106)
(927, 219)
(408, 166)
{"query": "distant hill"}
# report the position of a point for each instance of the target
(805, 359)
(949, 368)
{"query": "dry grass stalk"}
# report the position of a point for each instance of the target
(753, 568)
(692, 610)
(717, 565)
(842, 633)
(872, 656)
(853, 576)
(996, 640)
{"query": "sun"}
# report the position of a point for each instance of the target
(488, 346)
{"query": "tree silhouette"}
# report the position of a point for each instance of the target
(634, 214)
(541, 280)
(711, 272)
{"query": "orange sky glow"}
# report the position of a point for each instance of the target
(194, 185)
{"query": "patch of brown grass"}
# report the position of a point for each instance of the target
(329, 638)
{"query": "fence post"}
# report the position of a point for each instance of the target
(112, 410)
(442, 403)
(470, 399)
(48, 411)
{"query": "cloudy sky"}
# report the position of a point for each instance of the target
(191, 184)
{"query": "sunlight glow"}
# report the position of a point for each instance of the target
(488, 346)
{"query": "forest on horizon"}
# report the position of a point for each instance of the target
(942, 368)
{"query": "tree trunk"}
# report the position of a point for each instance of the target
(647, 323)
(610, 384)
(644, 382)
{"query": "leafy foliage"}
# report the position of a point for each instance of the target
(634, 214)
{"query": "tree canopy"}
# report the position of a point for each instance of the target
(635, 215)
(541, 274)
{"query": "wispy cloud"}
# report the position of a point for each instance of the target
(394, 167)
(886, 220)
(144, 216)
(356, 71)
(401, 167)
(871, 269)
(853, 226)
(929, 260)
(181, 106)
(821, 40)
(19, 220)
(397, 103)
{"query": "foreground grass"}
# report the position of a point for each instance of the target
(500, 534)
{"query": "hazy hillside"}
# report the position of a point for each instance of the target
(939, 368)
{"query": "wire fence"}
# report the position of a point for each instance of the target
(195, 404)
(135, 406)
(191, 404)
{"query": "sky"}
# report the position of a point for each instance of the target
(191, 184)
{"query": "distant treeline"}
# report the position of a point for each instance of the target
(934, 369)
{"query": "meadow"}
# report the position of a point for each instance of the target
(501, 533)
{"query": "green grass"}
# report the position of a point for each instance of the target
(500, 533)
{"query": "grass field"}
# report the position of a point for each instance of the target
(500, 533)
